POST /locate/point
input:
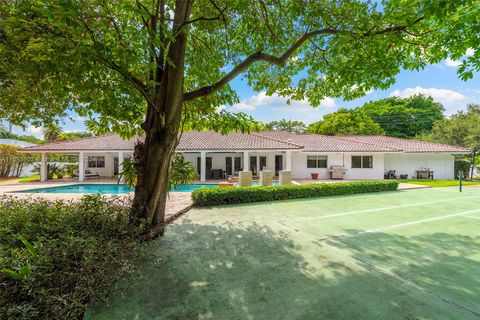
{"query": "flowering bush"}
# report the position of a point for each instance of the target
(56, 257)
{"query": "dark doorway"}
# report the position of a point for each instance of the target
(278, 164)
(115, 165)
(208, 171)
(228, 166)
(238, 164)
(253, 165)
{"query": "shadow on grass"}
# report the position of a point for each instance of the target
(226, 272)
(447, 265)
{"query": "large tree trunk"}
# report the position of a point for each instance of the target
(161, 132)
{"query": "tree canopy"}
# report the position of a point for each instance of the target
(286, 125)
(395, 117)
(461, 129)
(404, 118)
(99, 58)
(346, 122)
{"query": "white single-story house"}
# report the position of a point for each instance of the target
(218, 156)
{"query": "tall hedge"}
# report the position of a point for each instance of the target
(217, 196)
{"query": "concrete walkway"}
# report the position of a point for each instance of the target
(177, 202)
(407, 186)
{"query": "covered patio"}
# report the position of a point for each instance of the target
(215, 156)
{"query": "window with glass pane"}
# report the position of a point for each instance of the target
(311, 161)
(96, 162)
(321, 161)
(356, 161)
(367, 162)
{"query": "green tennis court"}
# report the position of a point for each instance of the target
(401, 255)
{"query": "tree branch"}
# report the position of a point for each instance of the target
(280, 61)
(257, 56)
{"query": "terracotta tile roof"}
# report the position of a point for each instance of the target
(192, 140)
(322, 143)
(209, 140)
(267, 140)
(406, 145)
(107, 142)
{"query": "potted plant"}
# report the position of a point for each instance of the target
(314, 175)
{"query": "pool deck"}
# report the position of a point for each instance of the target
(177, 202)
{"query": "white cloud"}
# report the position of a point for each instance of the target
(456, 63)
(452, 63)
(444, 96)
(34, 130)
(328, 102)
(262, 100)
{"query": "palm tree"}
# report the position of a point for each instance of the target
(52, 133)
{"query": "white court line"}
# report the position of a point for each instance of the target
(421, 221)
(476, 218)
(382, 209)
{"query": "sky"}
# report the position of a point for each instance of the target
(439, 81)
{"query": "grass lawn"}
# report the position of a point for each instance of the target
(27, 179)
(400, 255)
(440, 183)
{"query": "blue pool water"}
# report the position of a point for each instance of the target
(117, 188)
(108, 188)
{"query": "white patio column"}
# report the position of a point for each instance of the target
(203, 166)
(43, 167)
(289, 161)
(81, 167)
(246, 161)
(120, 163)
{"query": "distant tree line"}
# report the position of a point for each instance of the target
(417, 117)
(50, 134)
(395, 117)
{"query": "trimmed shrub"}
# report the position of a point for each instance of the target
(56, 257)
(217, 196)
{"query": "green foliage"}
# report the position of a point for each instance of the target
(218, 196)
(53, 170)
(395, 117)
(97, 58)
(12, 162)
(286, 125)
(461, 129)
(128, 174)
(181, 171)
(462, 166)
(404, 118)
(57, 257)
(346, 122)
(74, 135)
(23, 272)
(52, 133)
(70, 169)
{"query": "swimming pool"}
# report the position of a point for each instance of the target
(108, 188)
(117, 188)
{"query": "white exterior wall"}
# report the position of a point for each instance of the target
(300, 170)
(107, 171)
(406, 163)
